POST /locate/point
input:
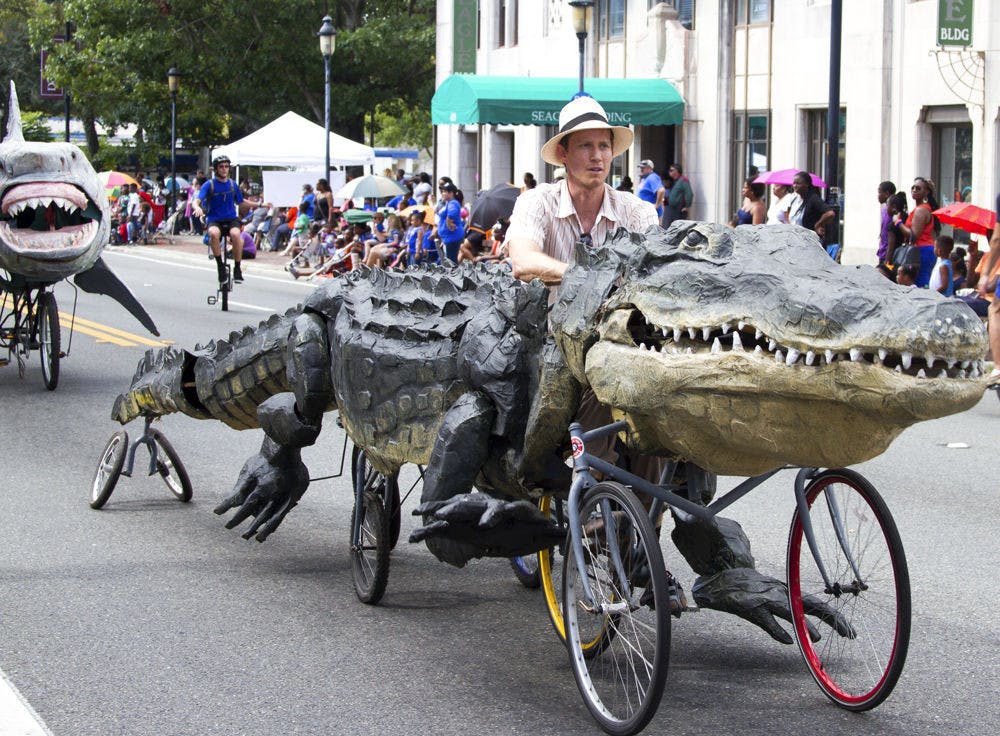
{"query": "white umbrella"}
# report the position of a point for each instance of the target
(371, 186)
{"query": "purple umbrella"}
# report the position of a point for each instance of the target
(786, 177)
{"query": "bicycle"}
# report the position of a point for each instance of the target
(225, 285)
(843, 549)
(29, 320)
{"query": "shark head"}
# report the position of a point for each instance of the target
(54, 218)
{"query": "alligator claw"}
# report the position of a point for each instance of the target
(761, 600)
(485, 526)
(267, 489)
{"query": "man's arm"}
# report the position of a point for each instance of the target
(991, 260)
(528, 262)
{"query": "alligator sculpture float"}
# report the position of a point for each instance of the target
(736, 350)
(54, 218)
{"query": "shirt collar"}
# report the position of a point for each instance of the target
(566, 208)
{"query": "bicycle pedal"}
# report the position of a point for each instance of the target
(212, 300)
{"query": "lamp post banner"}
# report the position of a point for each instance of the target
(954, 23)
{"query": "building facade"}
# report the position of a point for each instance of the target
(754, 78)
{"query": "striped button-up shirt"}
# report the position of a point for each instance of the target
(545, 215)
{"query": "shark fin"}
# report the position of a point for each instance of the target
(99, 279)
(14, 132)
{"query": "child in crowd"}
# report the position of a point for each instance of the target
(941, 276)
(907, 275)
(959, 269)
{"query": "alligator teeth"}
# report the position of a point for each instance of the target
(951, 362)
(921, 373)
(677, 334)
(974, 371)
(757, 350)
(771, 344)
(778, 356)
(793, 355)
(737, 343)
(943, 373)
(898, 368)
(966, 363)
(810, 357)
(740, 325)
(856, 354)
(705, 332)
(642, 346)
(725, 328)
(882, 354)
(828, 355)
(758, 334)
(689, 350)
(906, 359)
(664, 330)
(691, 332)
(716, 346)
(929, 359)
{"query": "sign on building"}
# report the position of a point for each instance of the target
(47, 89)
(464, 55)
(954, 23)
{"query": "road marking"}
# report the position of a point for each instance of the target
(102, 333)
(211, 268)
(254, 306)
(18, 717)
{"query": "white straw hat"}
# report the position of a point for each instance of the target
(585, 113)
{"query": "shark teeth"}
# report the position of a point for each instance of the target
(71, 238)
(733, 336)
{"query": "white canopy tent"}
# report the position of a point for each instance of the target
(291, 140)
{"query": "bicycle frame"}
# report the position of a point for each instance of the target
(665, 493)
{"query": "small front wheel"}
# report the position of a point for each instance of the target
(170, 467)
(622, 679)
(49, 342)
(869, 590)
(370, 553)
(109, 468)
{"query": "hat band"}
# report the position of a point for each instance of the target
(582, 119)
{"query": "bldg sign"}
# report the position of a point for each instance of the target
(464, 42)
(954, 23)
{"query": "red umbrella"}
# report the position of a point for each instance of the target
(786, 177)
(967, 217)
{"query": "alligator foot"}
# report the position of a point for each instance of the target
(760, 599)
(478, 525)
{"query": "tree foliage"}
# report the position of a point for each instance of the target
(245, 62)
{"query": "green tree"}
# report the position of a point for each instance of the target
(245, 62)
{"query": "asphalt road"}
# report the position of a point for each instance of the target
(148, 617)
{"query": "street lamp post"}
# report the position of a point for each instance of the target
(581, 12)
(173, 82)
(327, 42)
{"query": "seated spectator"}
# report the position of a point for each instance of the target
(907, 275)
(249, 246)
(401, 201)
(300, 235)
(386, 251)
(959, 269)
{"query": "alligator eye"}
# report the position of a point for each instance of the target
(695, 239)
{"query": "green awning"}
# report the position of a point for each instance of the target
(464, 99)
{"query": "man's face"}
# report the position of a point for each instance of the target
(222, 171)
(644, 170)
(883, 196)
(674, 173)
(588, 158)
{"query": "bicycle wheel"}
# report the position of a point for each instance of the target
(109, 468)
(370, 558)
(872, 593)
(525, 569)
(49, 343)
(170, 467)
(386, 487)
(224, 288)
(622, 683)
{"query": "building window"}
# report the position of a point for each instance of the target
(816, 156)
(609, 17)
(501, 22)
(512, 41)
(751, 148)
(684, 8)
(753, 11)
(951, 166)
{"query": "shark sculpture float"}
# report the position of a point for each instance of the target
(54, 218)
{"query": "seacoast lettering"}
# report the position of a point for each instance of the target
(551, 117)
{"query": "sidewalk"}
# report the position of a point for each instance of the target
(191, 248)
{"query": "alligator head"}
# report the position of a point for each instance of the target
(748, 349)
(54, 219)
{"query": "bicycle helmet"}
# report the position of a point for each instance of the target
(220, 160)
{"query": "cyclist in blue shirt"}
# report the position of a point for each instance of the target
(222, 195)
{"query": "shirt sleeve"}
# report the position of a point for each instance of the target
(529, 219)
(203, 193)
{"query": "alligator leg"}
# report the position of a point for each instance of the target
(461, 525)
(719, 551)
(272, 481)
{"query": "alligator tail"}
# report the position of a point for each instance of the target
(224, 380)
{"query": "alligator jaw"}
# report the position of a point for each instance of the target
(740, 412)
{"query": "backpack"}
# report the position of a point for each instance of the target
(211, 193)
